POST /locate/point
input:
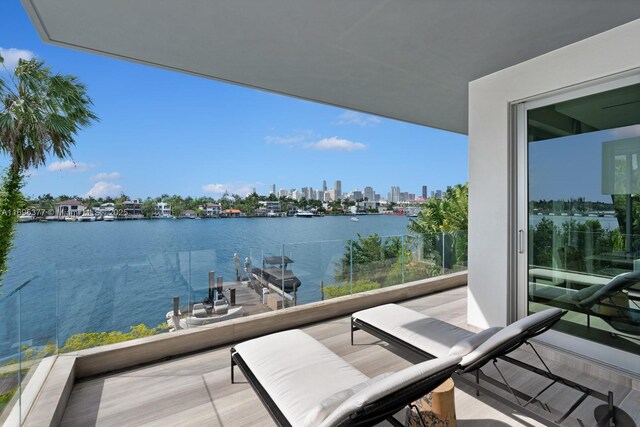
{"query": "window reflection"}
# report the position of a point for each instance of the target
(584, 215)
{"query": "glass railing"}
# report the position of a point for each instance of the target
(28, 343)
(86, 303)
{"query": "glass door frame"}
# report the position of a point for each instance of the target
(618, 360)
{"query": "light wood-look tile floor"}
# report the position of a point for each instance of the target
(196, 390)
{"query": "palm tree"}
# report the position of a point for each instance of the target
(40, 114)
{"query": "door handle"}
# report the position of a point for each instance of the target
(520, 241)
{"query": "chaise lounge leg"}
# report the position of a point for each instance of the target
(353, 328)
(233, 363)
(478, 382)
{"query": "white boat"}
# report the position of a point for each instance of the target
(70, 218)
(354, 219)
(304, 214)
(108, 218)
(86, 218)
(26, 218)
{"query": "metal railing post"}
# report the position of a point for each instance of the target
(350, 267)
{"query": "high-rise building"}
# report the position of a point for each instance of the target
(253, 190)
(404, 196)
(338, 189)
(319, 195)
(324, 185)
(394, 195)
(283, 192)
(424, 191)
(272, 189)
(438, 194)
(356, 195)
(369, 194)
(329, 195)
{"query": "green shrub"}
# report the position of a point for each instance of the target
(95, 339)
(334, 291)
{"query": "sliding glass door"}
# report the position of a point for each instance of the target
(579, 215)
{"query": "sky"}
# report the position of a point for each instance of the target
(164, 132)
(571, 166)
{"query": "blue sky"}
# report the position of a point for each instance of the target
(164, 132)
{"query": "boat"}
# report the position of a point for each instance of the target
(304, 214)
(70, 218)
(86, 218)
(271, 273)
(354, 219)
(108, 218)
(26, 218)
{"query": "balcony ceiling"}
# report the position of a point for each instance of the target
(406, 59)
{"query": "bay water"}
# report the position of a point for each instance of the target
(106, 276)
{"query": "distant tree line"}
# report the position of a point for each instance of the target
(179, 204)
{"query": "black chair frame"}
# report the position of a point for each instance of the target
(475, 369)
(371, 414)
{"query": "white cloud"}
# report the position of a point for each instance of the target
(104, 189)
(106, 176)
(290, 140)
(335, 143)
(240, 188)
(12, 55)
(355, 118)
(69, 166)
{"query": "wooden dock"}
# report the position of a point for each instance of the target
(246, 297)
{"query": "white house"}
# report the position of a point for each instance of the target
(211, 210)
(69, 208)
(163, 210)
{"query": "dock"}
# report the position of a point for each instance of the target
(246, 297)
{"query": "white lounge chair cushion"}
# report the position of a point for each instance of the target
(467, 345)
(426, 333)
(323, 409)
(297, 371)
(507, 333)
(387, 386)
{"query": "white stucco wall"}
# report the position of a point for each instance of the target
(603, 55)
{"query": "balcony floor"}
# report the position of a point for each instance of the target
(196, 390)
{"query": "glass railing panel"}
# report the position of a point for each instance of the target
(319, 267)
(10, 359)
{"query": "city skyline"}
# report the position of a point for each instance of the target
(310, 193)
(165, 132)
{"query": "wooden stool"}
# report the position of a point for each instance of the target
(437, 409)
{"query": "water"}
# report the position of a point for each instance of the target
(105, 276)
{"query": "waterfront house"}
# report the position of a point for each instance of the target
(189, 214)
(132, 209)
(556, 79)
(104, 209)
(231, 213)
(211, 210)
(69, 208)
(163, 210)
(268, 208)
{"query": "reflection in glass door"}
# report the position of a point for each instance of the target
(583, 202)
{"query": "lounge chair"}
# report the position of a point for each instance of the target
(610, 301)
(303, 383)
(432, 338)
